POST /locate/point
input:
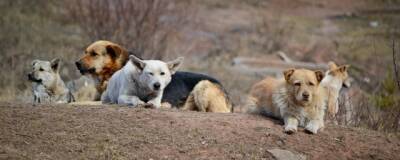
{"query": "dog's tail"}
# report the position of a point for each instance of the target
(207, 96)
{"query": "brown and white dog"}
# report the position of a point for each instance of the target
(103, 58)
(298, 99)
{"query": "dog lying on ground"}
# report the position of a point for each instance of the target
(298, 99)
(48, 87)
(335, 78)
(140, 82)
(102, 59)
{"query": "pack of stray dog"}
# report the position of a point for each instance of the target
(300, 98)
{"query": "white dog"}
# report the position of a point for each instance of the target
(140, 82)
(47, 85)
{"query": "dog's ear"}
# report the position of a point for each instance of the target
(343, 68)
(55, 64)
(331, 65)
(174, 65)
(114, 51)
(319, 75)
(288, 73)
(137, 62)
(34, 62)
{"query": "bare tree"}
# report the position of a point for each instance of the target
(396, 71)
(143, 26)
(396, 77)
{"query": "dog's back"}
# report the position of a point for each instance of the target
(181, 85)
(83, 89)
(186, 87)
(261, 97)
(115, 84)
(208, 97)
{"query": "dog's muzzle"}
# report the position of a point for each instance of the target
(156, 86)
(33, 79)
(306, 96)
(82, 69)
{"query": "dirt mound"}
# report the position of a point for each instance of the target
(104, 132)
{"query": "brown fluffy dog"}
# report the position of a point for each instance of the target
(101, 60)
(298, 99)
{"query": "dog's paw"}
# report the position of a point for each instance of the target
(166, 105)
(312, 128)
(290, 129)
(150, 105)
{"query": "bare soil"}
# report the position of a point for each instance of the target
(112, 132)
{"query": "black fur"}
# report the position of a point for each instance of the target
(181, 85)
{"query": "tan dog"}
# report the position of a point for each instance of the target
(298, 99)
(101, 60)
(208, 97)
(336, 78)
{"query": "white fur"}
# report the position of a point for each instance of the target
(332, 86)
(47, 85)
(136, 81)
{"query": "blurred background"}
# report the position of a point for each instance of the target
(222, 38)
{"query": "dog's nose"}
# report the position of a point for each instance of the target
(157, 86)
(306, 95)
(78, 64)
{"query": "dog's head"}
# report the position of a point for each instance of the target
(303, 84)
(154, 73)
(102, 57)
(44, 72)
(339, 74)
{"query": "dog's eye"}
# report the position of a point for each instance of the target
(311, 84)
(93, 54)
(150, 73)
(297, 84)
(41, 69)
(162, 73)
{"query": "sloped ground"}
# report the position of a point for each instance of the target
(110, 132)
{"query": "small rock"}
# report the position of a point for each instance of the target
(280, 154)
(374, 24)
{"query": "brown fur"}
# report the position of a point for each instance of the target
(101, 60)
(296, 99)
(207, 97)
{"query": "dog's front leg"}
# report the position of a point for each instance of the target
(291, 124)
(316, 122)
(156, 101)
(314, 125)
(130, 100)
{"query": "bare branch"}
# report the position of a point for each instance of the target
(396, 71)
(137, 24)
